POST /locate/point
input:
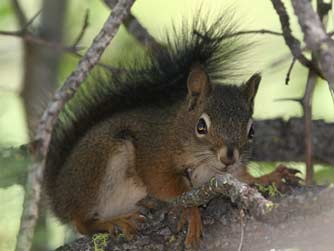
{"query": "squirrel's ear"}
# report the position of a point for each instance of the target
(198, 85)
(250, 88)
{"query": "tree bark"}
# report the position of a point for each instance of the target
(303, 220)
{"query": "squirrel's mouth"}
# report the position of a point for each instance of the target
(203, 173)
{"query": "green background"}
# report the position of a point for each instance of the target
(157, 16)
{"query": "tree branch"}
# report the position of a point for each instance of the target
(316, 37)
(138, 31)
(246, 197)
(299, 212)
(21, 16)
(292, 42)
(43, 135)
(72, 49)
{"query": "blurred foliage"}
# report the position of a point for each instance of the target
(157, 16)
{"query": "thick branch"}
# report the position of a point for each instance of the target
(43, 135)
(226, 185)
(222, 227)
(315, 37)
(292, 42)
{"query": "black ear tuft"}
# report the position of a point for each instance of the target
(250, 88)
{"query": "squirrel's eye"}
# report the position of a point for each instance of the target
(202, 127)
(251, 130)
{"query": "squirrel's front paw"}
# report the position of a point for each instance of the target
(191, 215)
(126, 224)
(282, 177)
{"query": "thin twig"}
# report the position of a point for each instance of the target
(29, 23)
(27, 36)
(260, 32)
(49, 118)
(240, 33)
(72, 50)
(287, 78)
(242, 229)
(21, 16)
(287, 56)
(292, 42)
(83, 30)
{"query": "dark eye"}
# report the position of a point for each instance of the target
(202, 127)
(251, 132)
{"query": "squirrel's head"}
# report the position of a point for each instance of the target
(220, 122)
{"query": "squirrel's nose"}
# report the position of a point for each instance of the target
(228, 155)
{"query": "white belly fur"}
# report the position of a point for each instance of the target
(119, 192)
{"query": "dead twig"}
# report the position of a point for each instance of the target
(73, 50)
(287, 78)
(287, 56)
(292, 42)
(83, 30)
(242, 229)
(21, 16)
(261, 32)
(49, 118)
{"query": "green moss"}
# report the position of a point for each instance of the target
(271, 191)
(100, 241)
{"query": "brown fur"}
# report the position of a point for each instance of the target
(150, 151)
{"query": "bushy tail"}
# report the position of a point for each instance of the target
(158, 80)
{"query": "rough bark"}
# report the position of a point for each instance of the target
(316, 37)
(302, 220)
(292, 42)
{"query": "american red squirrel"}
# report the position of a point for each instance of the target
(160, 128)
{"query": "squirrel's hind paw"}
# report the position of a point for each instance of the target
(191, 215)
(125, 224)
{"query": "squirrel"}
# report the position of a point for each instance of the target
(166, 125)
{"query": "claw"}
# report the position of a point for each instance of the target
(294, 171)
(283, 177)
